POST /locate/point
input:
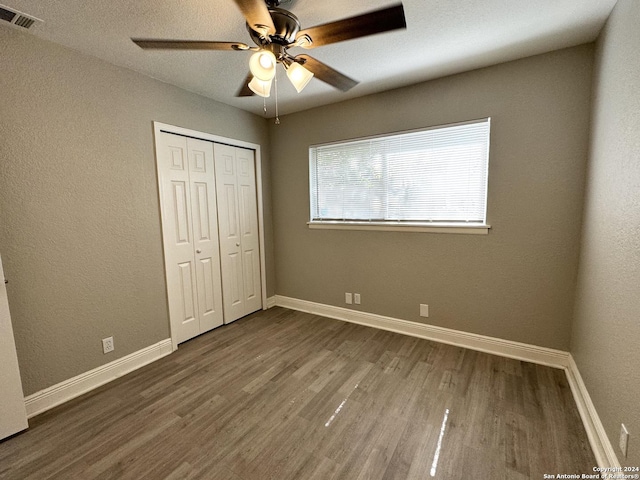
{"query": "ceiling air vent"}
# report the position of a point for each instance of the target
(17, 18)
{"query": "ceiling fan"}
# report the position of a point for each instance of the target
(275, 30)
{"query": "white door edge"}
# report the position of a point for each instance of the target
(13, 415)
(159, 127)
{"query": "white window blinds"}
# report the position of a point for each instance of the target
(432, 176)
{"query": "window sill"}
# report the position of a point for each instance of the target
(403, 227)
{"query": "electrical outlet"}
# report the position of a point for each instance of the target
(624, 439)
(424, 310)
(107, 345)
(356, 298)
(348, 298)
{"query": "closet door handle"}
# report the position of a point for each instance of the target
(237, 244)
(6, 281)
(198, 251)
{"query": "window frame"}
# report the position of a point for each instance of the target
(475, 228)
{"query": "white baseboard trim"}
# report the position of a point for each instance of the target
(496, 346)
(602, 449)
(55, 395)
(600, 444)
(62, 392)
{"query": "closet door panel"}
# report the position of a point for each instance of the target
(177, 231)
(250, 242)
(205, 233)
(230, 232)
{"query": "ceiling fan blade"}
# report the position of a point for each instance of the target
(151, 44)
(257, 15)
(245, 91)
(378, 21)
(326, 73)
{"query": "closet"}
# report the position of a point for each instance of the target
(210, 232)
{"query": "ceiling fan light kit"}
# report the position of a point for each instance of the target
(298, 76)
(263, 65)
(274, 30)
(261, 87)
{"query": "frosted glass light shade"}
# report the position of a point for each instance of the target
(299, 76)
(260, 87)
(263, 65)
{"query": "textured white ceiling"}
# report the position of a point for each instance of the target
(442, 37)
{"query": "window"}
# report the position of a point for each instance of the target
(435, 177)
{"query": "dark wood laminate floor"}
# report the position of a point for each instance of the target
(288, 395)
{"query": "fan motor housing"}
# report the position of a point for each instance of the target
(287, 27)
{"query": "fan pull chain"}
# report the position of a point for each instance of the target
(264, 106)
(277, 122)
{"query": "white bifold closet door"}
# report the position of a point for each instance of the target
(190, 234)
(238, 230)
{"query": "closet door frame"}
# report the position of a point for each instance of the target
(158, 128)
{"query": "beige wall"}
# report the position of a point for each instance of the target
(605, 339)
(516, 283)
(80, 232)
